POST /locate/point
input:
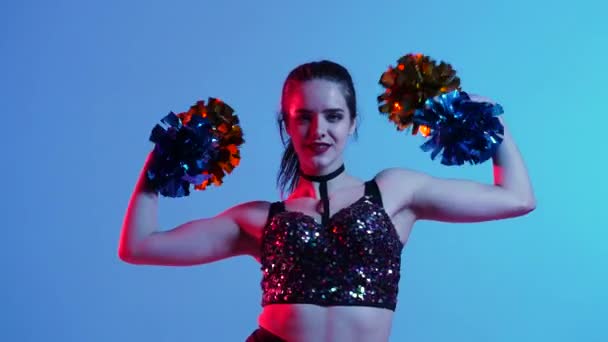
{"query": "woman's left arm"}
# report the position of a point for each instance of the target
(453, 200)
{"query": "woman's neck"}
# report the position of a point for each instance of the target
(309, 185)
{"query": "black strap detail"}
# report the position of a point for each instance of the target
(325, 199)
(324, 178)
(372, 190)
(275, 207)
(323, 189)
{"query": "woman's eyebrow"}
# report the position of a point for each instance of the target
(303, 111)
(328, 110)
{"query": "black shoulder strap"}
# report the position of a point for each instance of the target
(372, 190)
(275, 207)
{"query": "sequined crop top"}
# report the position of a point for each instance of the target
(353, 260)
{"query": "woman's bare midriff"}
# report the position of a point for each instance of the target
(308, 323)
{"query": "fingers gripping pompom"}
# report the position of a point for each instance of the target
(197, 147)
(415, 79)
(460, 129)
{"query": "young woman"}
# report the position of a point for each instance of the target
(330, 253)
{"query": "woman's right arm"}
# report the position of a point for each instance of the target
(201, 241)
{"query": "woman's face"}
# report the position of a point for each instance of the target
(319, 124)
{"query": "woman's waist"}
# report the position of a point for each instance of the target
(310, 322)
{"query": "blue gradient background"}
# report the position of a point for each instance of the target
(82, 84)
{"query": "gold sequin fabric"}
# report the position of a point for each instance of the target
(353, 260)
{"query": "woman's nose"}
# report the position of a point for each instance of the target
(319, 126)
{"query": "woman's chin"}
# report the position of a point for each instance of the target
(319, 163)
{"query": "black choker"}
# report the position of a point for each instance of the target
(323, 189)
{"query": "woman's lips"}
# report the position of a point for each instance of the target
(318, 148)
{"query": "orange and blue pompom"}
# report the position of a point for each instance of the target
(197, 147)
(415, 79)
(460, 129)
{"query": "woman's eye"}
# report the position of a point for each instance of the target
(303, 118)
(334, 117)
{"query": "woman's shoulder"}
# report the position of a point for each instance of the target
(253, 208)
(250, 215)
(397, 185)
(398, 176)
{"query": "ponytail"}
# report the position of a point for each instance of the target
(288, 173)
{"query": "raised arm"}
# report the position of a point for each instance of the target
(454, 200)
(201, 241)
